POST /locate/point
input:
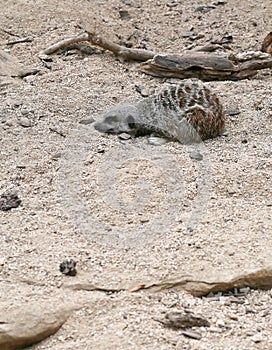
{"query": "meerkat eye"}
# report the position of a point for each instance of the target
(131, 121)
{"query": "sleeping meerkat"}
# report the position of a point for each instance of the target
(187, 112)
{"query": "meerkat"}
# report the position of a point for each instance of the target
(187, 112)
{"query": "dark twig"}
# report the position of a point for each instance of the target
(20, 40)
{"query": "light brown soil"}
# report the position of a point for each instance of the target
(80, 189)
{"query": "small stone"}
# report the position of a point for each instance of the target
(139, 89)
(204, 8)
(236, 300)
(100, 149)
(25, 122)
(210, 295)
(215, 330)
(244, 291)
(187, 34)
(124, 136)
(56, 156)
(89, 160)
(257, 338)
(231, 190)
(124, 14)
(233, 317)
(196, 155)
(172, 4)
(87, 121)
(179, 319)
(156, 141)
(220, 323)
(248, 310)
(68, 267)
(17, 103)
(25, 111)
(192, 334)
(9, 200)
(232, 111)
(120, 326)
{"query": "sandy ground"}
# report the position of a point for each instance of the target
(127, 211)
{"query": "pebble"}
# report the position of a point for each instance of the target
(156, 141)
(257, 338)
(215, 330)
(89, 160)
(100, 149)
(25, 122)
(172, 4)
(56, 156)
(17, 103)
(244, 291)
(187, 34)
(220, 323)
(204, 8)
(9, 200)
(192, 334)
(233, 317)
(26, 111)
(124, 14)
(196, 155)
(9, 122)
(87, 121)
(124, 136)
(232, 111)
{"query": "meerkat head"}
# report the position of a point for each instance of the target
(120, 119)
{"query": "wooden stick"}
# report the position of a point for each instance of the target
(63, 44)
(20, 40)
(122, 52)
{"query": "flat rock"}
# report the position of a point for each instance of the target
(25, 326)
(10, 68)
(197, 284)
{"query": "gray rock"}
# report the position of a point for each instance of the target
(196, 155)
(87, 121)
(25, 122)
(124, 136)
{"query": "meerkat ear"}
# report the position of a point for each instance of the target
(131, 122)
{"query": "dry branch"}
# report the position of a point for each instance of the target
(122, 52)
(20, 40)
(63, 44)
(194, 65)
